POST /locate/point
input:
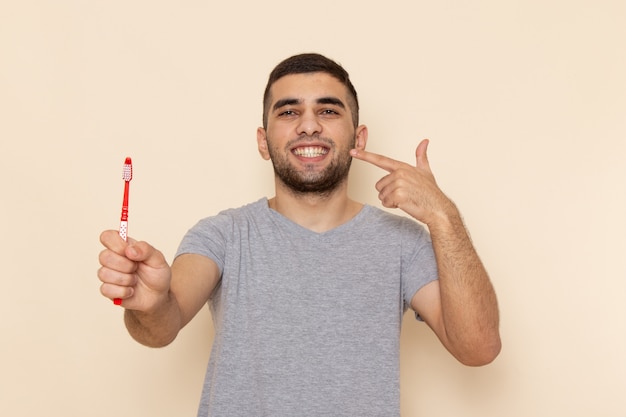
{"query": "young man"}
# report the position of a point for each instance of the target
(307, 289)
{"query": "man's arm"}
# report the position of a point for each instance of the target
(159, 300)
(461, 306)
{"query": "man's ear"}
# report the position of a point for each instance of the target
(261, 140)
(361, 137)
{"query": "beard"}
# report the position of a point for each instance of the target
(309, 180)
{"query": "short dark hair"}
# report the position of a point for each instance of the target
(308, 63)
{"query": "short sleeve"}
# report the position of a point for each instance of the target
(209, 237)
(419, 266)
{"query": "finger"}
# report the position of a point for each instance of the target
(115, 285)
(114, 292)
(421, 156)
(392, 194)
(116, 262)
(111, 276)
(385, 181)
(380, 161)
(112, 240)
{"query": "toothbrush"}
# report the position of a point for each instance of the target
(127, 175)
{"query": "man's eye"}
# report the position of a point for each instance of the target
(287, 113)
(329, 111)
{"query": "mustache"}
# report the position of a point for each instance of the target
(314, 138)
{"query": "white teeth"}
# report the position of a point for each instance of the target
(310, 151)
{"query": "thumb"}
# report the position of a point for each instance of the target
(421, 157)
(145, 253)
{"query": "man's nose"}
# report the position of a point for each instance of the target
(309, 124)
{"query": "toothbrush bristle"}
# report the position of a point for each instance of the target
(127, 174)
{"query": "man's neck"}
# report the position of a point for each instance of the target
(316, 212)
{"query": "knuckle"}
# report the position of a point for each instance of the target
(105, 257)
(107, 290)
(102, 274)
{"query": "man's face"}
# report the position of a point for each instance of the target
(310, 132)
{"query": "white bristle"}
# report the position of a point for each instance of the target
(127, 174)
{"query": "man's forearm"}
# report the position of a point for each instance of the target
(469, 304)
(155, 329)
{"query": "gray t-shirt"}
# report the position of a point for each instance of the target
(306, 323)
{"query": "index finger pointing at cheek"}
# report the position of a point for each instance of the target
(380, 161)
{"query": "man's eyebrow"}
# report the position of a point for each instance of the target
(285, 102)
(331, 100)
(294, 101)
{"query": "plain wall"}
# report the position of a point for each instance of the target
(525, 106)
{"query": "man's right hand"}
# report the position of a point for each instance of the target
(134, 272)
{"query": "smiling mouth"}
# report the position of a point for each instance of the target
(310, 151)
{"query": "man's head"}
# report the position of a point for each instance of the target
(309, 63)
(310, 125)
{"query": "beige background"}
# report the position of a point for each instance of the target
(525, 104)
